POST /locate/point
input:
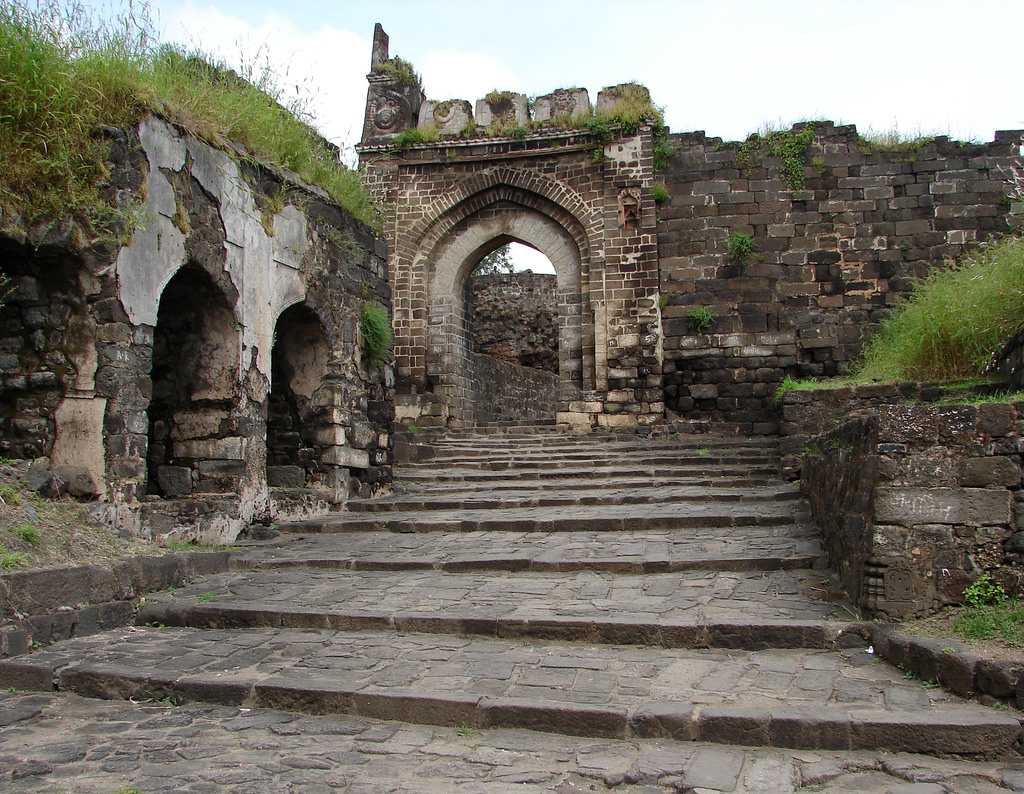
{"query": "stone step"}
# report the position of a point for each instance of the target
(679, 515)
(748, 609)
(630, 552)
(668, 458)
(603, 448)
(783, 698)
(499, 485)
(597, 496)
(611, 474)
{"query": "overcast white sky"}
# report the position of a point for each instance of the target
(723, 66)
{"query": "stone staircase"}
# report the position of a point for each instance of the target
(600, 586)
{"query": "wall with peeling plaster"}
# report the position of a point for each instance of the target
(76, 393)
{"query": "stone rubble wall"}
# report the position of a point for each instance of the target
(1010, 360)
(78, 361)
(509, 392)
(515, 318)
(916, 501)
(829, 259)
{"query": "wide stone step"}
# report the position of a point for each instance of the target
(506, 449)
(680, 515)
(690, 608)
(512, 486)
(798, 699)
(635, 552)
(586, 460)
(547, 498)
(611, 474)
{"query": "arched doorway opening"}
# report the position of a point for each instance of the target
(512, 324)
(476, 390)
(193, 443)
(298, 364)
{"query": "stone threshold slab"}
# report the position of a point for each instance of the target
(943, 729)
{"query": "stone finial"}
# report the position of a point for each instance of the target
(449, 117)
(563, 102)
(502, 107)
(610, 96)
(379, 54)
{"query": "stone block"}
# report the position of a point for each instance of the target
(174, 481)
(508, 109)
(998, 471)
(348, 457)
(230, 448)
(972, 506)
(449, 117)
(563, 102)
(286, 476)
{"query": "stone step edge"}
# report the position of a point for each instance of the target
(551, 461)
(594, 475)
(568, 524)
(502, 485)
(440, 502)
(749, 636)
(516, 564)
(939, 733)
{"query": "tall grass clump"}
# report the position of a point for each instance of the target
(953, 321)
(66, 73)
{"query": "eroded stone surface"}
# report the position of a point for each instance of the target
(67, 743)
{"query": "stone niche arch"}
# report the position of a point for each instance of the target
(449, 252)
(194, 444)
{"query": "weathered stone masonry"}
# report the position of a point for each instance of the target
(142, 372)
(515, 318)
(830, 258)
(455, 201)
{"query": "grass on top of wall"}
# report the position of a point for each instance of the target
(954, 320)
(64, 73)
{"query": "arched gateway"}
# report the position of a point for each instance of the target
(454, 198)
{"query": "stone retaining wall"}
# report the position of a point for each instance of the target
(916, 501)
(515, 318)
(503, 391)
(836, 238)
(1010, 361)
(37, 607)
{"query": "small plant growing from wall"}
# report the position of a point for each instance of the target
(984, 591)
(660, 193)
(701, 318)
(377, 336)
(740, 246)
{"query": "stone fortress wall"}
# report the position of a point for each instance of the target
(148, 373)
(837, 239)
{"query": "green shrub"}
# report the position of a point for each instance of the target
(660, 193)
(401, 70)
(377, 336)
(789, 146)
(953, 321)
(740, 247)
(984, 591)
(415, 135)
(701, 318)
(64, 74)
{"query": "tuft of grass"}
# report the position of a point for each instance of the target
(660, 193)
(465, 730)
(376, 332)
(28, 533)
(400, 70)
(953, 321)
(740, 246)
(10, 495)
(1003, 621)
(66, 73)
(790, 383)
(701, 318)
(206, 598)
(411, 137)
(10, 560)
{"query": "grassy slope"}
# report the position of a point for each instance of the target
(63, 74)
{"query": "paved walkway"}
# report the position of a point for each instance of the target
(65, 743)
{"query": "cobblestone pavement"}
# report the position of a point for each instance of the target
(62, 743)
(631, 550)
(616, 675)
(688, 596)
